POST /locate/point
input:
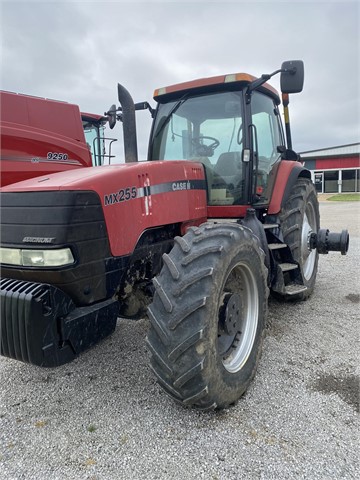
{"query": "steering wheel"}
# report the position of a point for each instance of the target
(205, 150)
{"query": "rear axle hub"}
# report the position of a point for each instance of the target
(325, 241)
(233, 315)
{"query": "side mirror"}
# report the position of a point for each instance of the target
(289, 154)
(292, 76)
(111, 115)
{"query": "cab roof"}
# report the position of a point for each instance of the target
(93, 117)
(220, 82)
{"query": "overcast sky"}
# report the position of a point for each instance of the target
(77, 51)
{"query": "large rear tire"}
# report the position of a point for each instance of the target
(298, 219)
(208, 316)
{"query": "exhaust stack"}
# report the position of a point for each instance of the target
(129, 124)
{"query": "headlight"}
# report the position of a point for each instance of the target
(36, 258)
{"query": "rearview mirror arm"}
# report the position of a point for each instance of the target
(266, 76)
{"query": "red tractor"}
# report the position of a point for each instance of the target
(222, 213)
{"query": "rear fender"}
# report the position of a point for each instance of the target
(287, 174)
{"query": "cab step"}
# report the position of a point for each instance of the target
(287, 267)
(276, 246)
(270, 226)
(295, 289)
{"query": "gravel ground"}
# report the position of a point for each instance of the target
(104, 417)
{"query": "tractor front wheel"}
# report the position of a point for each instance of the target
(208, 315)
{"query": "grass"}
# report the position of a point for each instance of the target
(345, 197)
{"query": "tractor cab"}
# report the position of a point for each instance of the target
(231, 124)
(219, 129)
(98, 144)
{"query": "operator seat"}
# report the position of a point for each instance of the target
(229, 168)
(229, 171)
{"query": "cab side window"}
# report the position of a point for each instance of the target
(266, 139)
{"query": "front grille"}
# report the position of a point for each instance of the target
(72, 219)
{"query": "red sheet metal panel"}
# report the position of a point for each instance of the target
(338, 163)
(135, 196)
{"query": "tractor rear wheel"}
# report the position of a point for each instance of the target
(298, 219)
(208, 316)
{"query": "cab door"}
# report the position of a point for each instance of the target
(266, 137)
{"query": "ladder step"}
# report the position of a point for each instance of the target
(295, 289)
(276, 246)
(268, 226)
(286, 267)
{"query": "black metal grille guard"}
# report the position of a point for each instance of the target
(40, 324)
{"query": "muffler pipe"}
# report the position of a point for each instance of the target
(325, 241)
(129, 124)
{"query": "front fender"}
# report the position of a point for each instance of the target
(287, 174)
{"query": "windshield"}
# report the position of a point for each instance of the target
(207, 129)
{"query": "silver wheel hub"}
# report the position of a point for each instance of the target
(238, 318)
(308, 256)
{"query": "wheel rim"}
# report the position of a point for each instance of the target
(235, 343)
(308, 256)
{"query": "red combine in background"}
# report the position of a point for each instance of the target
(41, 136)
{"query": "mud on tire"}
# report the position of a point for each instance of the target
(208, 316)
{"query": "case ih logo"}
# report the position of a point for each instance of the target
(181, 186)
